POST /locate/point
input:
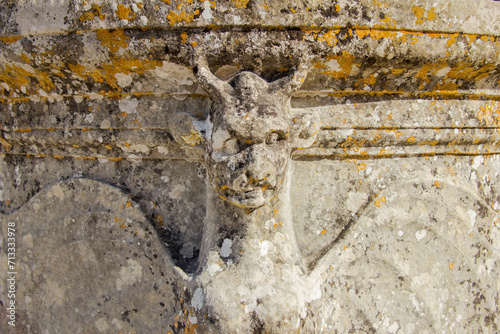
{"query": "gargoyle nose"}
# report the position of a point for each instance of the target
(240, 183)
(257, 175)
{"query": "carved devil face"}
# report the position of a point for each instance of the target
(249, 147)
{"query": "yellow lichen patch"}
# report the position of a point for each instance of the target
(345, 63)
(118, 65)
(389, 23)
(6, 145)
(431, 15)
(437, 184)
(362, 166)
(428, 70)
(25, 58)
(10, 39)
(19, 78)
(467, 71)
(452, 39)
(241, 3)
(397, 71)
(109, 147)
(410, 140)
(331, 37)
(128, 205)
(124, 13)
(194, 138)
(419, 12)
(184, 37)
(112, 40)
(368, 81)
(115, 159)
(174, 17)
(490, 114)
(352, 144)
(324, 231)
(451, 265)
(158, 220)
(95, 11)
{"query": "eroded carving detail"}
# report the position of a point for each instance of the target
(252, 133)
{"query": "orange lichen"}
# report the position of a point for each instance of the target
(452, 39)
(419, 12)
(490, 114)
(410, 140)
(124, 13)
(368, 81)
(324, 231)
(6, 145)
(184, 37)
(94, 12)
(10, 39)
(397, 71)
(109, 70)
(18, 77)
(362, 166)
(345, 62)
(431, 15)
(25, 58)
(174, 17)
(331, 37)
(437, 184)
(428, 70)
(241, 3)
(389, 23)
(112, 40)
(451, 265)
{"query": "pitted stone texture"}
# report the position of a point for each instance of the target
(59, 16)
(177, 221)
(420, 256)
(87, 257)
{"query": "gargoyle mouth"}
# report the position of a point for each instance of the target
(253, 197)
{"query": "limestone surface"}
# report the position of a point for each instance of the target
(195, 166)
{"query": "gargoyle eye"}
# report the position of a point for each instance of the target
(273, 137)
(231, 146)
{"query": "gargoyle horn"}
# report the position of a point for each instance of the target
(217, 88)
(289, 84)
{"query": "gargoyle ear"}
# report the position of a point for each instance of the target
(304, 129)
(188, 131)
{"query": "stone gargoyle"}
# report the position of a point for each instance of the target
(251, 270)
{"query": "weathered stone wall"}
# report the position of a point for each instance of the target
(366, 164)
